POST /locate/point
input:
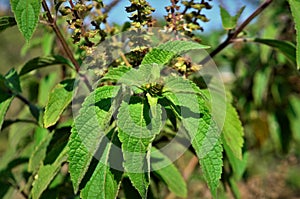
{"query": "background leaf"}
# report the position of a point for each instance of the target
(233, 131)
(27, 15)
(6, 22)
(168, 172)
(286, 48)
(59, 99)
(229, 22)
(40, 62)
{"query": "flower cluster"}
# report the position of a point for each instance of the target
(186, 20)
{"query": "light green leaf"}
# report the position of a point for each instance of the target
(295, 7)
(164, 53)
(203, 131)
(167, 171)
(46, 174)
(288, 49)
(137, 130)
(59, 99)
(233, 131)
(45, 87)
(88, 130)
(27, 15)
(229, 22)
(39, 153)
(115, 74)
(6, 22)
(238, 165)
(260, 85)
(105, 181)
(40, 62)
(5, 101)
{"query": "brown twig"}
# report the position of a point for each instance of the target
(233, 35)
(64, 44)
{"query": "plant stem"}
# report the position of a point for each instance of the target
(64, 44)
(233, 35)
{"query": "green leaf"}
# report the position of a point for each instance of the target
(46, 174)
(229, 22)
(168, 172)
(105, 181)
(39, 153)
(164, 53)
(238, 165)
(12, 81)
(288, 49)
(295, 7)
(137, 130)
(233, 131)
(88, 130)
(203, 131)
(40, 62)
(45, 87)
(5, 101)
(27, 15)
(59, 99)
(6, 22)
(115, 74)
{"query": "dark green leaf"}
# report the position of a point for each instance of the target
(40, 62)
(167, 171)
(6, 22)
(286, 48)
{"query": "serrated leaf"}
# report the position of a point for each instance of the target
(27, 15)
(40, 62)
(233, 131)
(203, 131)
(288, 49)
(39, 153)
(46, 174)
(59, 99)
(229, 22)
(88, 130)
(6, 22)
(115, 74)
(164, 53)
(167, 171)
(105, 181)
(137, 130)
(295, 7)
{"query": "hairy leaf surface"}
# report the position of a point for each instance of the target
(295, 6)
(137, 129)
(88, 130)
(27, 15)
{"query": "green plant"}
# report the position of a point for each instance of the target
(96, 126)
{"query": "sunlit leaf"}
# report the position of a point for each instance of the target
(59, 99)
(27, 15)
(88, 130)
